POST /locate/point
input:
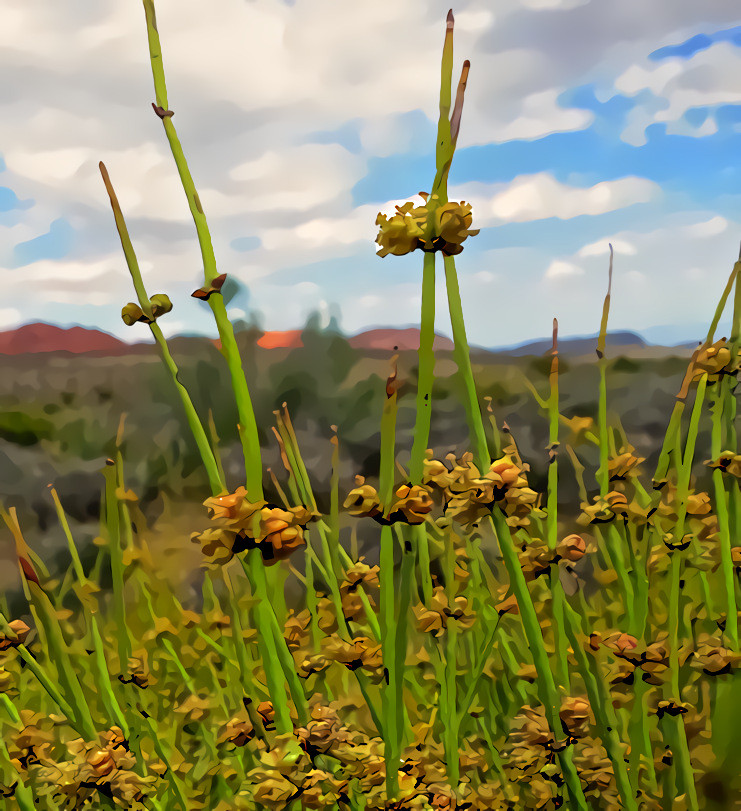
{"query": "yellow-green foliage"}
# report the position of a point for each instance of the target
(499, 653)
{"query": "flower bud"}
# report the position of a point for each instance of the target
(102, 763)
(160, 304)
(133, 313)
(572, 548)
(19, 632)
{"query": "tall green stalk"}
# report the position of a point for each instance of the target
(113, 527)
(732, 518)
(108, 697)
(725, 539)
(425, 381)
(247, 426)
(615, 549)
(215, 478)
(672, 690)
(547, 690)
(600, 700)
(557, 595)
(393, 721)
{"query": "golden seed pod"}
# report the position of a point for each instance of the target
(216, 544)
(413, 502)
(132, 314)
(102, 763)
(161, 304)
(714, 360)
(451, 224)
(237, 731)
(234, 509)
(114, 738)
(572, 548)
(6, 680)
(728, 462)
(281, 532)
(736, 557)
(266, 711)
(401, 233)
(362, 500)
(19, 633)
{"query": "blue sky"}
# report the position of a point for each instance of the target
(585, 123)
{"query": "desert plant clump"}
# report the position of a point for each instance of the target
(501, 652)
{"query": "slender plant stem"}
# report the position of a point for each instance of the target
(247, 426)
(194, 423)
(557, 594)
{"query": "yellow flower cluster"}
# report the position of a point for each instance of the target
(716, 360)
(241, 524)
(430, 227)
(410, 506)
(434, 620)
(469, 496)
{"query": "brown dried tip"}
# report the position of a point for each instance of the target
(28, 571)
(161, 112)
(391, 384)
(455, 119)
(205, 293)
(450, 19)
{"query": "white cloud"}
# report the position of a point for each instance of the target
(671, 274)
(558, 269)
(474, 20)
(332, 234)
(537, 197)
(9, 317)
(709, 228)
(540, 114)
(551, 5)
(253, 83)
(602, 248)
(298, 179)
(677, 85)
(654, 77)
(527, 198)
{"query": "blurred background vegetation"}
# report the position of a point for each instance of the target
(60, 413)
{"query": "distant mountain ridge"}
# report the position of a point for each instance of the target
(40, 337)
(44, 338)
(579, 345)
(401, 339)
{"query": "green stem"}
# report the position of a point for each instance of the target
(602, 706)
(276, 671)
(546, 684)
(247, 426)
(194, 423)
(724, 535)
(23, 794)
(450, 708)
(557, 595)
(426, 371)
(117, 567)
(463, 361)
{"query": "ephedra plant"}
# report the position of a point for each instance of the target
(468, 669)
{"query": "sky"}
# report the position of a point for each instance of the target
(586, 122)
